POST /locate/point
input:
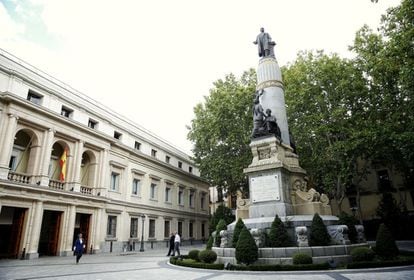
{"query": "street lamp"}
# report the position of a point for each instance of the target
(142, 234)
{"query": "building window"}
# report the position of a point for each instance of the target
(180, 164)
(137, 145)
(190, 229)
(153, 191)
(133, 232)
(180, 196)
(191, 199)
(190, 169)
(66, 112)
(168, 194)
(111, 229)
(92, 124)
(117, 135)
(180, 229)
(114, 181)
(166, 229)
(203, 230)
(135, 187)
(151, 233)
(153, 153)
(202, 201)
(384, 182)
(167, 159)
(34, 97)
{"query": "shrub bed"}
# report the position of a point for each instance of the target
(362, 254)
(385, 263)
(193, 254)
(207, 256)
(300, 258)
(179, 262)
(278, 267)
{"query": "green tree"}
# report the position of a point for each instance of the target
(389, 213)
(246, 248)
(319, 235)
(220, 226)
(278, 236)
(222, 212)
(221, 131)
(237, 230)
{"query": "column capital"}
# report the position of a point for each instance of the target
(11, 115)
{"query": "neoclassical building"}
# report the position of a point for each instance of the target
(69, 165)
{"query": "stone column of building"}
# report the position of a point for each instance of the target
(6, 146)
(71, 216)
(103, 161)
(77, 161)
(98, 230)
(35, 231)
(45, 156)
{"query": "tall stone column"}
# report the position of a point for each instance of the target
(103, 167)
(35, 232)
(98, 230)
(70, 229)
(45, 157)
(6, 146)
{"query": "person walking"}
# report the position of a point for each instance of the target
(78, 248)
(172, 241)
(177, 241)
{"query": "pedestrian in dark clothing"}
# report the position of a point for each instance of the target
(171, 247)
(78, 248)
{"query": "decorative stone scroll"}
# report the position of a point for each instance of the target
(224, 239)
(258, 236)
(339, 234)
(302, 236)
(360, 233)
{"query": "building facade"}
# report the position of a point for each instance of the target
(69, 165)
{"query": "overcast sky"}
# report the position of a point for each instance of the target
(153, 61)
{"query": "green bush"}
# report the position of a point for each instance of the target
(301, 258)
(350, 222)
(385, 246)
(197, 264)
(246, 248)
(207, 256)
(210, 243)
(362, 254)
(278, 267)
(319, 235)
(220, 226)
(193, 254)
(385, 263)
(236, 233)
(278, 236)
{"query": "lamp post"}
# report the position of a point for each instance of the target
(142, 234)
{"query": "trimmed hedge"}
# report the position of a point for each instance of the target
(278, 267)
(220, 226)
(387, 263)
(210, 243)
(246, 249)
(301, 258)
(319, 235)
(385, 246)
(278, 236)
(193, 254)
(177, 261)
(237, 230)
(207, 256)
(362, 254)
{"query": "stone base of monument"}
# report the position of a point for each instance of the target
(335, 255)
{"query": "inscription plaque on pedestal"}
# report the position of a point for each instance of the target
(264, 188)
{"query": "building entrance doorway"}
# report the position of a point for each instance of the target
(11, 229)
(82, 226)
(50, 233)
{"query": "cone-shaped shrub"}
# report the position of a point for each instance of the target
(350, 222)
(220, 226)
(319, 235)
(236, 233)
(246, 248)
(278, 236)
(210, 243)
(385, 246)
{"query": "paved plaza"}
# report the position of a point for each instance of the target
(153, 264)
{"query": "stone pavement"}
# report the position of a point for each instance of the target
(153, 264)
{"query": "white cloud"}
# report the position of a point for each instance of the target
(9, 29)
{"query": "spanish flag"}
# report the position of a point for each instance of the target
(62, 164)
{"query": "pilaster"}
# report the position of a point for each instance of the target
(35, 232)
(6, 146)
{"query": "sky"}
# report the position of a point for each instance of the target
(154, 61)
